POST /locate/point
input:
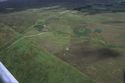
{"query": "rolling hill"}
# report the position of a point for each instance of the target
(57, 45)
(27, 62)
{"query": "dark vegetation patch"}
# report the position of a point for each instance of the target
(39, 25)
(81, 31)
(89, 52)
(98, 30)
(80, 5)
(114, 22)
(103, 7)
(84, 53)
(98, 11)
(108, 53)
(21, 5)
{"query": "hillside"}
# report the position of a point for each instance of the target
(32, 65)
(57, 45)
(26, 61)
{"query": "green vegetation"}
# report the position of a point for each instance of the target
(54, 42)
(82, 31)
(98, 30)
(39, 25)
(44, 46)
(30, 64)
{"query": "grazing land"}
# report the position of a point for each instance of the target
(56, 45)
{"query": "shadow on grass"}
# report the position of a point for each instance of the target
(89, 55)
(104, 53)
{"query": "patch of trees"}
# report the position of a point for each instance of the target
(39, 25)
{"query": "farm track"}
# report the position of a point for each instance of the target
(23, 38)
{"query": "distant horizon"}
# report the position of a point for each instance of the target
(71, 4)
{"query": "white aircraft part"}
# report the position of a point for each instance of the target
(6, 76)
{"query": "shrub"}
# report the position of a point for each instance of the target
(98, 30)
(39, 25)
(82, 31)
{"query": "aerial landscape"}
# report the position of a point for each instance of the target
(63, 41)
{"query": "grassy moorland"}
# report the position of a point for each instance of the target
(25, 60)
(63, 46)
(30, 64)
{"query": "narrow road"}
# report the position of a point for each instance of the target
(24, 38)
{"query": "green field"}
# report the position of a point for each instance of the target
(63, 46)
